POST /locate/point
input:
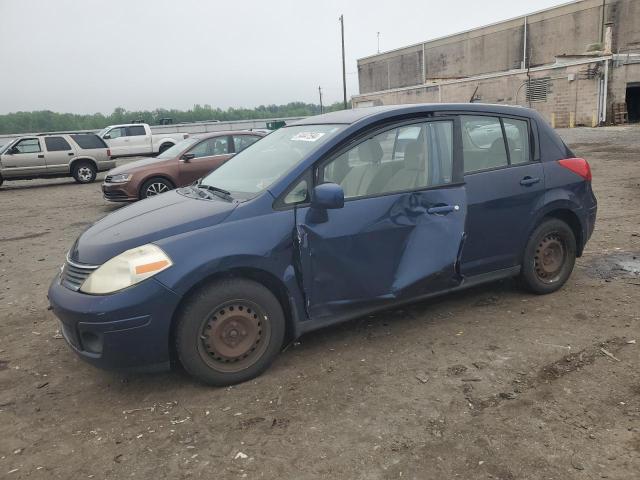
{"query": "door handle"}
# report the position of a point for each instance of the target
(70, 154)
(443, 209)
(40, 156)
(528, 181)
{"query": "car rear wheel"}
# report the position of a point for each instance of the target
(229, 332)
(84, 172)
(155, 186)
(549, 257)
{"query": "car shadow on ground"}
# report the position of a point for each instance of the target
(358, 329)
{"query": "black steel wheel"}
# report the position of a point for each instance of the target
(549, 257)
(229, 331)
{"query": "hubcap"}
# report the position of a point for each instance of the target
(156, 189)
(85, 174)
(234, 336)
(550, 258)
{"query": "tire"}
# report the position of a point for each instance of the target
(164, 147)
(229, 332)
(155, 186)
(84, 172)
(549, 257)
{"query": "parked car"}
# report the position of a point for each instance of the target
(322, 221)
(81, 156)
(136, 139)
(178, 166)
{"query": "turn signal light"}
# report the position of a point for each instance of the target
(578, 166)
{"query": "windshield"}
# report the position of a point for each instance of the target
(257, 167)
(178, 147)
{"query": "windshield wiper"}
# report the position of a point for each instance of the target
(216, 190)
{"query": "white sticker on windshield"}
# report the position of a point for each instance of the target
(307, 136)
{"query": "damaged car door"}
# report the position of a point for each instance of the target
(399, 232)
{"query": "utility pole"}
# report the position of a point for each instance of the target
(344, 71)
(378, 42)
(320, 92)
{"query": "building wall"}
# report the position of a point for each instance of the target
(564, 30)
(572, 98)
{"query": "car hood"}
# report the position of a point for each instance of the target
(143, 163)
(147, 221)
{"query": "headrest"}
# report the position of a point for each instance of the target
(370, 151)
(412, 156)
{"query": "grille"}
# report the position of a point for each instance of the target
(538, 89)
(74, 274)
(108, 178)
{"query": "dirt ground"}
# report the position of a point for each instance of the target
(488, 383)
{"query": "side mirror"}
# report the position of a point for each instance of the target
(13, 151)
(328, 196)
(187, 156)
(107, 136)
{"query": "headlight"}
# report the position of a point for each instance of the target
(120, 178)
(127, 269)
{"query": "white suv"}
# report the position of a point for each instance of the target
(81, 156)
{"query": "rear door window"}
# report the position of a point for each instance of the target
(243, 141)
(483, 143)
(56, 144)
(137, 131)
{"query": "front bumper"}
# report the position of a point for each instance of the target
(118, 192)
(126, 330)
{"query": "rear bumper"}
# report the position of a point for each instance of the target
(118, 192)
(128, 330)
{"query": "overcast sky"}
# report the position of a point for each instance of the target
(89, 56)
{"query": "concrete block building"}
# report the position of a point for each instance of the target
(577, 64)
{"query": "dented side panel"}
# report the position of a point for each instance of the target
(379, 250)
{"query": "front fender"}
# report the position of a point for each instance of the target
(261, 244)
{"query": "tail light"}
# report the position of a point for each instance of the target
(109, 152)
(578, 166)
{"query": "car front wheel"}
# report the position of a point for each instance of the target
(155, 186)
(229, 332)
(549, 257)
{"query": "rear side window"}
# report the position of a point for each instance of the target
(517, 132)
(243, 141)
(56, 144)
(483, 144)
(137, 131)
(89, 142)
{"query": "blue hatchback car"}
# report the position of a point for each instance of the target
(327, 219)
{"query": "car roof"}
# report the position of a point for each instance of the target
(205, 135)
(356, 114)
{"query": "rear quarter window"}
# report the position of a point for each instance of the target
(56, 144)
(89, 141)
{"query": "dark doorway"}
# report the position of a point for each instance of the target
(633, 102)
